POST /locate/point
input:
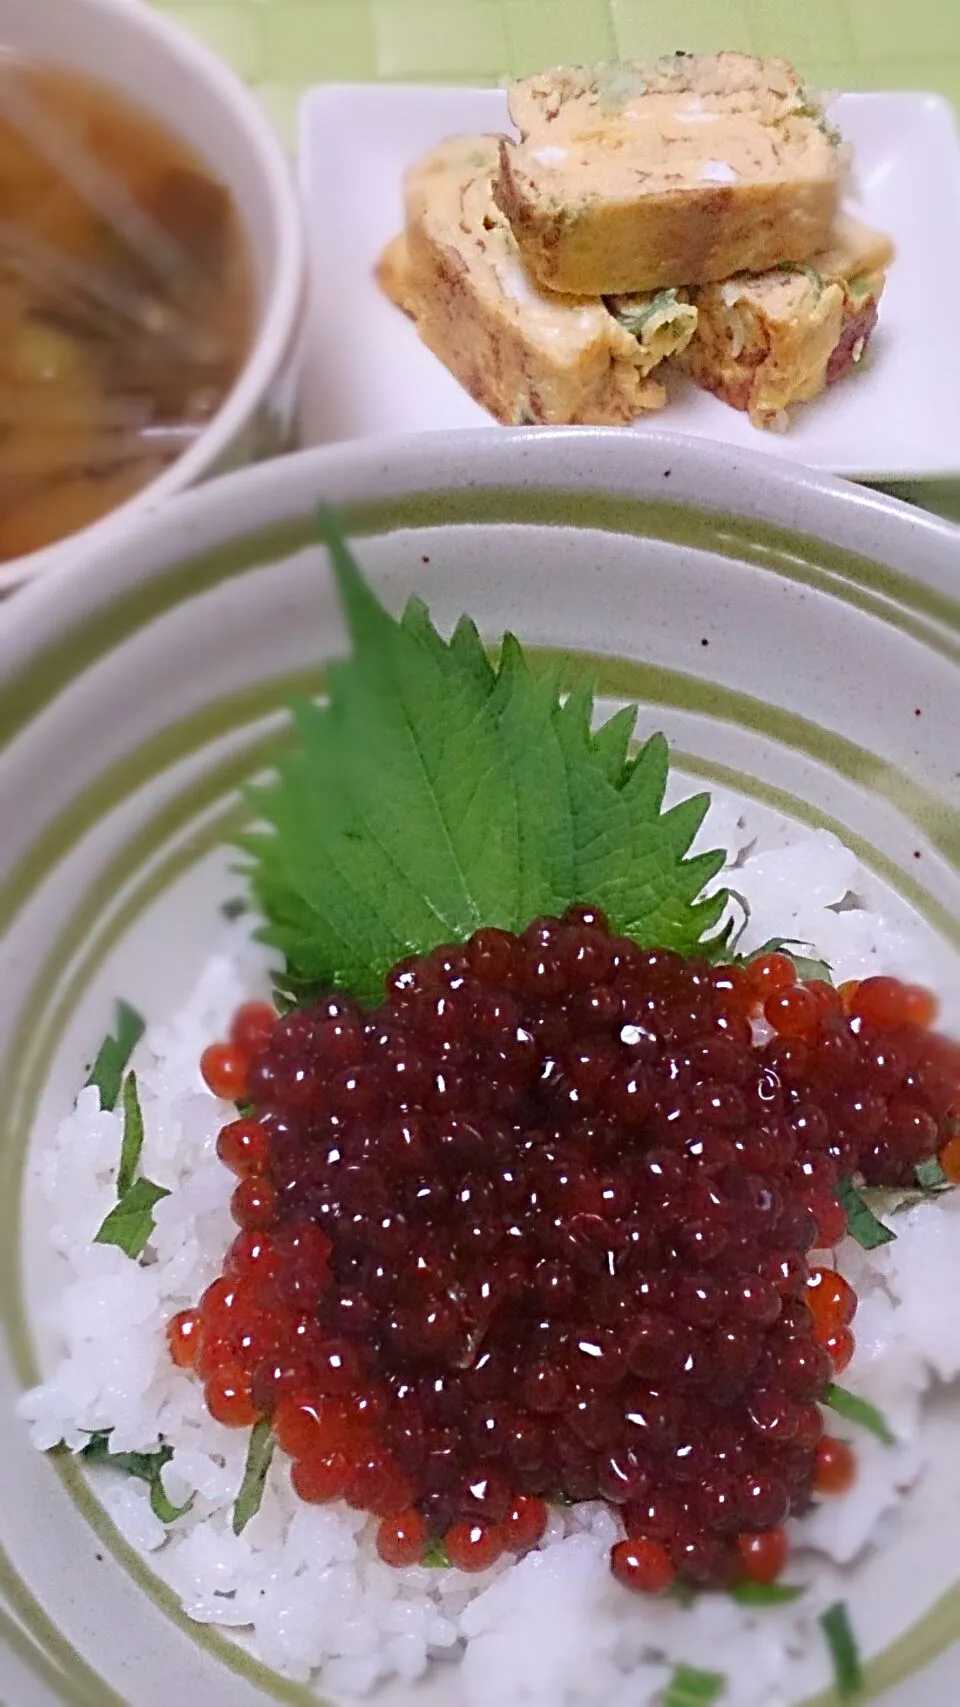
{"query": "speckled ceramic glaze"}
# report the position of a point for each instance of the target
(797, 640)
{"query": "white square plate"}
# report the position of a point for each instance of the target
(368, 374)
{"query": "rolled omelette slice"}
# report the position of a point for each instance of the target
(525, 354)
(681, 171)
(766, 341)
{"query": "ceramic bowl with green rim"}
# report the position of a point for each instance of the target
(797, 640)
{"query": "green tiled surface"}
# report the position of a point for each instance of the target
(282, 46)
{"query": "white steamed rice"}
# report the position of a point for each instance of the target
(303, 1585)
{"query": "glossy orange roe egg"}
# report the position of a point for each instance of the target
(830, 1298)
(242, 1147)
(836, 1466)
(377, 1484)
(831, 1220)
(840, 1346)
(253, 1204)
(401, 1540)
(317, 1427)
(183, 1338)
(642, 1565)
(252, 1027)
(224, 1069)
(794, 1012)
(524, 1523)
(473, 1546)
(827, 999)
(227, 1393)
(763, 1554)
(318, 1480)
(770, 975)
(888, 1004)
(833, 1303)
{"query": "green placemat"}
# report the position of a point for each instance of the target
(282, 46)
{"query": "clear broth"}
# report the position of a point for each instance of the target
(126, 301)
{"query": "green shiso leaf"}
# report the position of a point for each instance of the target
(611, 745)
(812, 971)
(843, 1650)
(899, 1205)
(810, 273)
(132, 1136)
(97, 1444)
(862, 1224)
(259, 1458)
(811, 106)
(130, 1224)
(163, 1508)
(634, 313)
(436, 792)
(860, 1411)
(861, 287)
(144, 1466)
(767, 1594)
(689, 1687)
(114, 1053)
(931, 1175)
(932, 1183)
(436, 1556)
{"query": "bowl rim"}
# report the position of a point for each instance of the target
(245, 504)
(660, 466)
(279, 321)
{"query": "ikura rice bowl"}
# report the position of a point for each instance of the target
(303, 1584)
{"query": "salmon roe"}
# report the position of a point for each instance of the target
(794, 1012)
(228, 1397)
(642, 1565)
(183, 1337)
(524, 1523)
(473, 1546)
(252, 1027)
(888, 1003)
(833, 1304)
(770, 975)
(763, 1554)
(836, 1467)
(224, 1069)
(839, 1346)
(831, 1299)
(402, 1539)
(242, 1147)
(540, 1226)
